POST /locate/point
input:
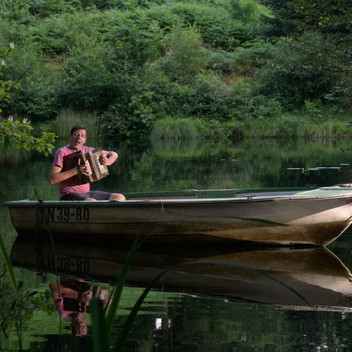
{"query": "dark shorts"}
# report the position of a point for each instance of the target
(98, 195)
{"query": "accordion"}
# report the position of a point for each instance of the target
(92, 157)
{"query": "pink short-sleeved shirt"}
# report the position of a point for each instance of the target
(61, 159)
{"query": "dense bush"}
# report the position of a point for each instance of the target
(88, 82)
(153, 96)
(37, 96)
(184, 58)
(288, 78)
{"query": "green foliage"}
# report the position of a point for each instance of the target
(245, 11)
(243, 62)
(15, 10)
(153, 96)
(66, 119)
(281, 21)
(216, 26)
(313, 108)
(5, 86)
(175, 128)
(16, 132)
(288, 76)
(326, 16)
(293, 126)
(143, 100)
(137, 62)
(253, 54)
(216, 130)
(215, 100)
(89, 84)
(36, 98)
(134, 46)
(184, 58)
(19, 135)
(53, 35)
(332, 20)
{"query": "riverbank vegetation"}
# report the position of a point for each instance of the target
(176, 69)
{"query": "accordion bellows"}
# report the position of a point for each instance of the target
(93, 158)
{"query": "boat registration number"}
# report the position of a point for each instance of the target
(65, 264)
(65, 214)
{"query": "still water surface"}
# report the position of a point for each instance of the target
(204, 308)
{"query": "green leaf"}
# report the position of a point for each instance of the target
(100, 336)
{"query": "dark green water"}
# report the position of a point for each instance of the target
(188, 319)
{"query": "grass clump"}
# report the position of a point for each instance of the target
(175, 128)
(294, 126)
(66, 119)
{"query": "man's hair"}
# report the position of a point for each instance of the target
(78, 127)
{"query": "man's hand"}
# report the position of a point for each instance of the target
(85, 168)
(108, 158)
(103, 160)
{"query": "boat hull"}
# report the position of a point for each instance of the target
(297, 219)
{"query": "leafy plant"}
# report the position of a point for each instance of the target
(19, 135)
(6, 86)
(36, 97)
(246, 11)
(184, 58)
(287, 76)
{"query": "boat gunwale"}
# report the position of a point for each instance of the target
(199, 197)
(174, 202)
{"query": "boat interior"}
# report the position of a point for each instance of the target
(246, 193)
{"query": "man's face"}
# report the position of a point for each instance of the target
(78, 138)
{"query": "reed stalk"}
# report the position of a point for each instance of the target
(68, 118)
(9, 267)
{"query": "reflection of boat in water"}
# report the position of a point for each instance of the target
(315, 273)
(282, 216)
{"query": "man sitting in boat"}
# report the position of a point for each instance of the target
(63, 172)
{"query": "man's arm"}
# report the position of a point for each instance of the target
(108, 158)
(56, 175)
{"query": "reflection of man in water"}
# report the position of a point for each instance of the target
(72, 297)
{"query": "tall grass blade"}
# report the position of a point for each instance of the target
(100, 336)
(9, 267)
(110, 318)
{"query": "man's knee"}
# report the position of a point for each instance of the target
(90, 200)
(117, 196)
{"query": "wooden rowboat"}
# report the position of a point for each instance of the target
(296, 278)
(280, 216)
